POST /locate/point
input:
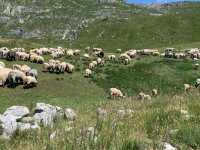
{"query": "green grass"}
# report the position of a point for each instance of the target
(152, 121)
(166, 75)
(142, 31)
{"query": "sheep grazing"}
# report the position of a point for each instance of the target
(131, 53)
(33, 73)
(197, 83)
(11, 56)
(92, 65)
(58, 67)
(30, 82)
(154, 92)
(116, 93)
(124, 58)
(187, 87)
(169, 52)
(88, 73)
(143, 96)
(70, 68)
(3, 52)
(35, 58)
(111, 57)
(99, 61)
(23, 68)
(77, 52)
(150, 52)
(69, 53)
(22, 56)
(15, 77)
(4, 72)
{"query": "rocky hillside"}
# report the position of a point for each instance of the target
(57, 19)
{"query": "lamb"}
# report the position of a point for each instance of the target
(86, 56)
(46, 67)
(99, 61)
(143, 96)
(131, 53)
(69, 68)
(36, 58)
(88, 73)
(77, 52)
(25, 68)
(30, 81)
(116, 93)
(92, 66)
(111, 57)
(4, 75)
(33, 73)
(70, 53)
(15, 77)
(125, 58)
(154, 92)
(187, 87)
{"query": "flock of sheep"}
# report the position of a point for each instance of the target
(95, 57)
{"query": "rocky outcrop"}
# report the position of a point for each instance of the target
(20, 118)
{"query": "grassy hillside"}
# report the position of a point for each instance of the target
(142, 31)
(115, 26)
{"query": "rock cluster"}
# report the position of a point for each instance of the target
(20, 118)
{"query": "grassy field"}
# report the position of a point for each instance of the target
(153, 122)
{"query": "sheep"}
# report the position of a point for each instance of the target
(36, 58)
(197, 83)
(33, 73)
(11, 56)
(143, 96)
(25, 68)
(126, 61)
(46, 67)
(154, 92)
(116, 93)
(86, 56)
(16, 67)
(91, 66)
(4, 75)
(77, 52)
(63, 67)
(70, 53)
(119, 50)
(15, 77)
(99, 61)
(88, 73)
(149, 51)
(69, 68)
(131, 53)
(30, 81)
(124, 58)
(187, 87)
(111, 57)
(3, 52)
(22, 56)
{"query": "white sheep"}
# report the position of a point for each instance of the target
(88, 72)
(116, 93)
